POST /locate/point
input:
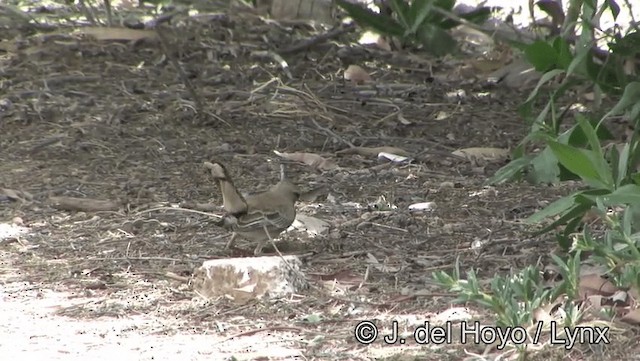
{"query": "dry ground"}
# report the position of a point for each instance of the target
(114, 120)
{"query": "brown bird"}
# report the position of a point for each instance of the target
(258, 217)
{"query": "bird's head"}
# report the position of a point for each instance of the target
(218, 171)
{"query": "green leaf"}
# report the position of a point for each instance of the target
(580, 162)
(613, 156)
(629, 98)
(597, 156)
(402, 11)
(559, 206)
(578, 138)
(577, 211)
(590, 133)
(563, 51)
(627, 220)
(436, 41)
(541, 55)
(419, 11)
(579, 60)
(544, 168)
(623, 164)
(511, 170)
(546, 77)
(627, 194)
(382, 24)
(609, 76)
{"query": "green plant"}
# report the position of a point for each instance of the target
(576, 64)
(619, 247)
(611, 178)
(423, 22)
(515, 299)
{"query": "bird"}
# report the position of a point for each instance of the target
(257, 217)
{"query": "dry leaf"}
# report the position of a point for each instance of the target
(442, 115)
(383, 44)
(314, 226)
(313, 160)
(374, 151)
(542, 314)
(357, 75)
(483, 153)
(633, 317)
(593, 284)
(403, 120)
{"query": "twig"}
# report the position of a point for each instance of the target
(179, 209)
(385, 226)
(333, 33)
(330, 132)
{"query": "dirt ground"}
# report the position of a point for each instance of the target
(116, 121)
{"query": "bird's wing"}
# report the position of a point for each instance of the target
(257, 218)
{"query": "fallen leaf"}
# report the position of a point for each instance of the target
(594, 284)
(403, 120)
(633, 317)
(357, 75)
(383, 44)
(442, 115)
(313, 160)
(314, 226)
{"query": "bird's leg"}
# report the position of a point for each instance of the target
(261, 244)
(258, 249)
(232, 240)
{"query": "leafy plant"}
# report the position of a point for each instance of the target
(423, 22)
(513, 299)
(619, 248)
(574, 64)
(611, 179)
